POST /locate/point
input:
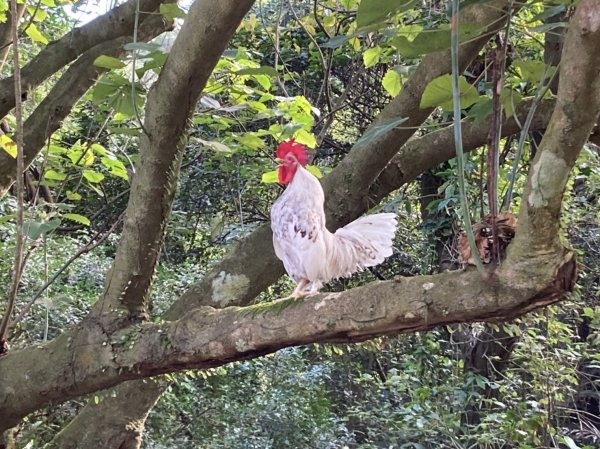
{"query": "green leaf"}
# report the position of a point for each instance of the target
(6, 218)
(73, 196)
(270, 177)
(80, 155)
(569, 442)
(391, 82)
(439, 93)
(306, 138)
(170, 11)
(314, 170)
(115, 166)
(251, 141)
(77, 218)
(93, 176)
(371, 56)
(35, 34)
(217, 146)
(34, 229)
(430, 41)
(379, 130)
(376, 11)
(480, 110)
(108, 62)
(8, 145)
(532, 71)
(52, 174)
(510, 100)
(262, 70)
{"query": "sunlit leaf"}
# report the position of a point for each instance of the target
(439, 93)
(108, 62)
(73, 196)
(35, 34)
(93, 176)
(270, 177)
(315, 171)
(262, 70)
(371, 56)
(77, 219)
(392, 82)
(306, 138)
(52, 174)
(171, 11)
(8, 145)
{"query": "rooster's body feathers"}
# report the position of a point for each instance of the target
(310, 253)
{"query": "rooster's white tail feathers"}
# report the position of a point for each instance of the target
(363, 243)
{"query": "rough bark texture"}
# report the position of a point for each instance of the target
(55, 107)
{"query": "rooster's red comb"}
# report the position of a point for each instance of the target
(297, 149)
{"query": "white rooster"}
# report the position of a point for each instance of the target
(310, 253)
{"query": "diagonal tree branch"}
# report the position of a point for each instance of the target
(171, 100)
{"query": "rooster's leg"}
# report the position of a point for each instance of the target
(298, 292)
(314, 288)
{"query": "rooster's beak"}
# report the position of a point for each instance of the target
(278, 161)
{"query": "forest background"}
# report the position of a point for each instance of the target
(139, 274)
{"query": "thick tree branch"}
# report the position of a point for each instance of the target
(116, 23)
(576, 111)
(75, 82)
(88, 358)
(171, 100)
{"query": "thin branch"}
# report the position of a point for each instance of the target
(20, 237)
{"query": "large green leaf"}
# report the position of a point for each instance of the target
(108, 62)
(379, 130)
(270, 177)
(77, 219)
(439, 93)
(263, 70)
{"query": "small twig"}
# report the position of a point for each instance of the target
(20, 237)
